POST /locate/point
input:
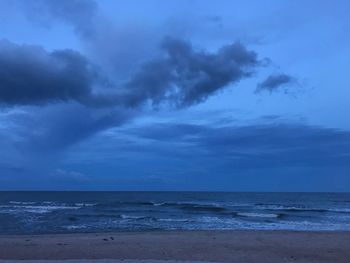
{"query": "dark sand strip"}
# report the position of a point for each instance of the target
(100, 261)
(219, 246)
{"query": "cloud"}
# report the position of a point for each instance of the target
(78, 13)
(35, 140)
(68, 99)
(30, 75)
(60, 174)
(65, 99)
(115, 46)
(187, 76)
(274, 145)
(181, 76)
(275, 82)
(61, 126)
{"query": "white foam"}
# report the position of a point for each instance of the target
(72, 227)
(85, 204)
(173, 220)
(258, 215)
(21, 203)
(131, 217)
(40, 209)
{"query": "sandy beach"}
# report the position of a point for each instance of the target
(207, 246)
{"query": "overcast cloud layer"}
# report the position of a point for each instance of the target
(128, 100)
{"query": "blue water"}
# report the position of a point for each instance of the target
(67, 212)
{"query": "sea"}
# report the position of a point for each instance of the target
(83, 212)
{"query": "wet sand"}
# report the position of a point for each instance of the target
(100, 261)
(208, 246)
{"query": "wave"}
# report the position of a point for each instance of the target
(21, 203)
(293, 208)
(124, 203)
(74, 227)
(186, 206)
(130, 217)
(224, 208)
(49, 202)
(300, 208)
(85, 204)
(208, 223)
(196, 207)
(39, 209)
(98, 215)
(339, 210)
(260, 215)
(296, 209)
(175, 220)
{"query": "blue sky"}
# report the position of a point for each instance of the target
(174, 95)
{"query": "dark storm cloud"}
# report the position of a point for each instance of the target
(68, 99)
(30, 75)
(251, 147)
(182, 76)
(186, 76)
(274, 82)
(78, 13)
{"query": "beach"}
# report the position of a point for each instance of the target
(205, 246)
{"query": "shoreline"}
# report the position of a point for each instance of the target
(249, 246)
(286, 231)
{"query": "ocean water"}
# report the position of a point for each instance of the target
(69, 212)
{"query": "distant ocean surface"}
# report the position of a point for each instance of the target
(68, 212)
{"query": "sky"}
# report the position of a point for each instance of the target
(182, 95)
